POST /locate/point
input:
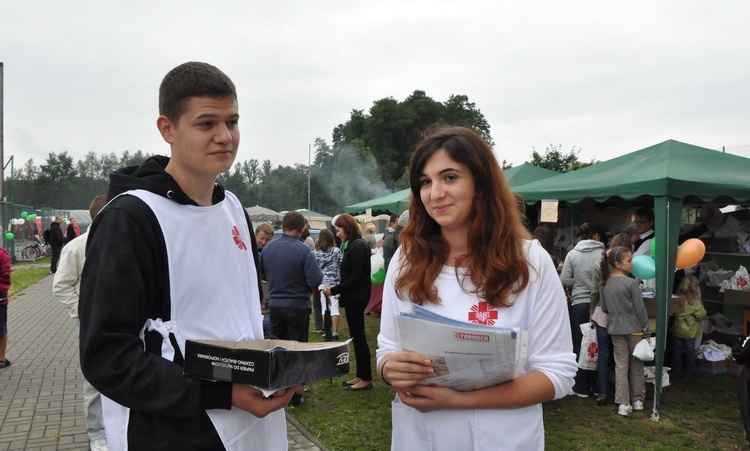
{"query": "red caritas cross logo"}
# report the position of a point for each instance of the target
(237, 240)
(483, 313)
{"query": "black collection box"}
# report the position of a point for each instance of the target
(268, 364)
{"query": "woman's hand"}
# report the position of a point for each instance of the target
(404, 369)
(430, 398)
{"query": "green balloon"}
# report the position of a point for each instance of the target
(24, 214)
(9, 236)
(653, 247)
(379, 277)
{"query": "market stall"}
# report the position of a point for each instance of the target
(667, 176)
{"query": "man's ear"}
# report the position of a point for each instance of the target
(166, 128)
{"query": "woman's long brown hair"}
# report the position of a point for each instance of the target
(496, 261)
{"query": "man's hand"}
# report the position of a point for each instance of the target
(252, 400)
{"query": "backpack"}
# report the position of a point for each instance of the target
(45, 235)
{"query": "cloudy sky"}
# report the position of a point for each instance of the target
(604, 76)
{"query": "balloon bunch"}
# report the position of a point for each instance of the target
(377, 269)
(689, 253)
(25, 217)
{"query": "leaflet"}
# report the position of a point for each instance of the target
(465, 356)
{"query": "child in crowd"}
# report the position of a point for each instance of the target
(599, 318)
(687, 326)
(329, 258)
(627, 324)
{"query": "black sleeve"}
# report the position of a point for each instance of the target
(254, 245)
(359, 268)
(125, 282)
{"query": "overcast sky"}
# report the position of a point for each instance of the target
(607, 77)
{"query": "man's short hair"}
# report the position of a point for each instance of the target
(394, 218)
(646, 213)
(192, 79)
(97, 204)
(293, 221)
(265, 228)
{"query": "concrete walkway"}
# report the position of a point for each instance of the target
(41, 394)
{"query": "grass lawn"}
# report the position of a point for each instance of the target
(23, 274)
(700, 413)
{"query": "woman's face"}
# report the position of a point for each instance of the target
(447, 191)
(341, 233)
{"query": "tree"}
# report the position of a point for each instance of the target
(57, 178)
(391, 130)
(459, 111)
(555, 160)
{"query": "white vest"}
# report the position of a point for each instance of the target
(211, 268)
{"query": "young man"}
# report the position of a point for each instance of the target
(389, 242)
(66, 286)
(172, 257)
(56, 241)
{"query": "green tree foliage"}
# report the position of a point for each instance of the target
(368, 157)
(392, 129)
(556, 160)
(64, 184)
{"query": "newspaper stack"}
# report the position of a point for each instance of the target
(465, 356)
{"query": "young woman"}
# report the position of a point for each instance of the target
(354, 291)
(627, 323)
(577, 273)
(465, 248)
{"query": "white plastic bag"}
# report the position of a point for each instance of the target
(589, 355)
(645, 350)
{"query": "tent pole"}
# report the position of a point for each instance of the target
(667, 216)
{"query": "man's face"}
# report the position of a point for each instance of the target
(305, 232)
(205, 139)
(58, 219)
(263, 238)
(642, 224)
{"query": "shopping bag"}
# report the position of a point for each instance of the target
(589, 354)
(645, 350)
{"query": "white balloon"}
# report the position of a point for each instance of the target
(376, 263)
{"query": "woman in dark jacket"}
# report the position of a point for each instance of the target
(354, 291)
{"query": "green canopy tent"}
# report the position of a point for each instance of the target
(670, 174)
(399, 201)
(388, 204)
(527, 173)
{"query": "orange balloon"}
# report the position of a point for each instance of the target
(690, 252)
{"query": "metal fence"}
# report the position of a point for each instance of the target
(26, 232)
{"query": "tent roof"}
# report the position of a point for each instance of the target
(672, 168)
(527, 173)
(390, 203)
(399, 201)
(263, 214)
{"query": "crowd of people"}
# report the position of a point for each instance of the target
(605, 294)
(139, 293)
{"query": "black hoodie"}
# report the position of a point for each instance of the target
(125, 281)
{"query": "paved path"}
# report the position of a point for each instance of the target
(41, 394)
